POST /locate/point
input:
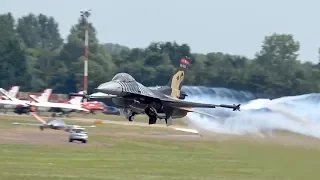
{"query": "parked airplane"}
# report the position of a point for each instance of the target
(73, 105)
(20, 106)
(136, 98)
(55, 123)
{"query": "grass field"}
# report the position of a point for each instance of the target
(131, 152)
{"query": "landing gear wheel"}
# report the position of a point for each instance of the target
(152, 119)
(84, 141)
(70, 140)
(131, 117)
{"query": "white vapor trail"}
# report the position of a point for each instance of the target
(296, 114)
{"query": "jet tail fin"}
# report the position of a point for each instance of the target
(44, 97)
(13, 91)
(177, 79)
(7, 95)
(76, 99)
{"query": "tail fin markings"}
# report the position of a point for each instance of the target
(7, 95)
(44, 97)
(177, 79)
(76, 99)
(13, 91)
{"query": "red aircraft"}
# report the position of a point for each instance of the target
(93, 106)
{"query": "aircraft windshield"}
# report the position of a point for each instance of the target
(123, 77)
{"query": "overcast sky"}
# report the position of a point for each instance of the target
(230, 26)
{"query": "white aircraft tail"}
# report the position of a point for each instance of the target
(44, 97)
(13, 91)
(76, 99)
(7, 95)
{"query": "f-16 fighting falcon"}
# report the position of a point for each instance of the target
(161, 102)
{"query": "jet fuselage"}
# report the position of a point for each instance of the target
(141, 105)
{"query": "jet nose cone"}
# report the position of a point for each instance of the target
(110, 87)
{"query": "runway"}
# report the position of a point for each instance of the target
(287, 139)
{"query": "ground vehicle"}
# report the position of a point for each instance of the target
(78, 134)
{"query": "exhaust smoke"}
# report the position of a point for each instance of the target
(262, 117)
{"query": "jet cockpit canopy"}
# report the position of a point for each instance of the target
(123, 77)
(57, 122)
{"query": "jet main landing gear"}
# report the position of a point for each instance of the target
(152, 113)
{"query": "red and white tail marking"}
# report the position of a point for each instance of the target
(7, 96)
(13, 91)
(44, 97)
(76, 99)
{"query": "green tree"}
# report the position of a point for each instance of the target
(42, 42)
(39, 32)
(278, 59)
(101, 66)
(13, 65)
(34, 56)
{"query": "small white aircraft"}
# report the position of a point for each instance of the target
(20, 106)
(55, 123)
(74, 104)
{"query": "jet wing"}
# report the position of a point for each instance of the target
(59, 105)
(35, 98)
(94, 95)
(187, 104)
(27, 124)
(73, 125)
(101, 95)
(92, 126)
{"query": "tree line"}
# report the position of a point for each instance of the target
(34, 56)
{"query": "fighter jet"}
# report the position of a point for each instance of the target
(55, 123)
(158, 103)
